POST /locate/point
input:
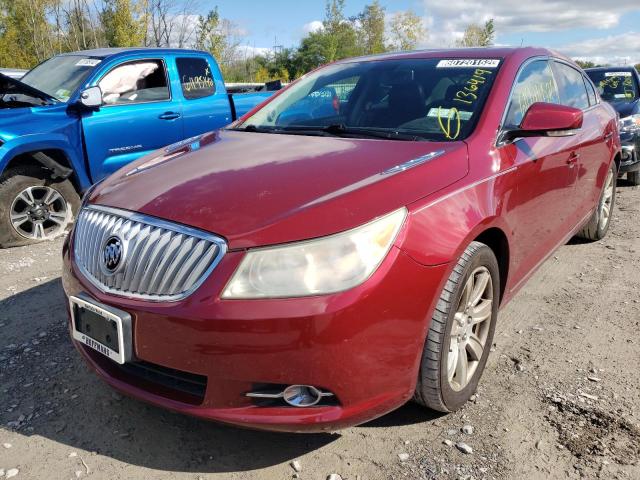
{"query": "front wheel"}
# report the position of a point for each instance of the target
(461, 332)
(34, 208)
(598, 225)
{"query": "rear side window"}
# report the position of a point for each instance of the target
(534, 84)
(141, 81)
(573, 92)
(195, 77)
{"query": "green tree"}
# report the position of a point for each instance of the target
(124, 25)
(26, 37)
(586, 64)
(476, 35)
(371, 29)
(407, 31)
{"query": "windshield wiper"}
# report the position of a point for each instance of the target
(340, 130)
(252, 128)
(335, 130)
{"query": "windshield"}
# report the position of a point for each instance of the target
(431, 99)
(615, 85)
(60, 76)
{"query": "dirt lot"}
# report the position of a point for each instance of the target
(559, 399)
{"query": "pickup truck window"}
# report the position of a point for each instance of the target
(196, 78)
(141, 81)
(407, 99)
(60, 76)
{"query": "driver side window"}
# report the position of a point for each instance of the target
(135, 82)
(535, 83)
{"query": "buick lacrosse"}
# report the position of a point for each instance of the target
(346, 246)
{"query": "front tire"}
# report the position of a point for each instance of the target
(598, 225)
(461, 332)
(34, 208)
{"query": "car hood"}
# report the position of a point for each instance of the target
(10, 86)
(259, 189)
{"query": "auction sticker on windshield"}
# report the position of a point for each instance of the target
(469, 63)
(88, 62)
(617, 74)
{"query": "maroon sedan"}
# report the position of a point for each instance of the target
(346, 246)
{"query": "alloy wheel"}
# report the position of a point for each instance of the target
(39, 213)
(470, 329)
(607, 200)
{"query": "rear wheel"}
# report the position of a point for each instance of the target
(598, 225)
(33, 207)
(461, 332)
(634, 178)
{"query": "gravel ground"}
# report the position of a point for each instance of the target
(559, 397)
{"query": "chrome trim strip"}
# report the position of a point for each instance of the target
(413, 163)
(152, 222)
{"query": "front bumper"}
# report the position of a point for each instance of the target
(630, 161)
(363, 345)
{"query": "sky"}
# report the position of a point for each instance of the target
(586, 29)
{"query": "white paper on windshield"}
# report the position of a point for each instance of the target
(620, 95)
(88, 62)
(617, 74)
(444, 113)
(469, 63)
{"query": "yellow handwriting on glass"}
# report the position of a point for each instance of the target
(450, 122)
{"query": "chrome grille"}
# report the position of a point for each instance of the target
(162, 261)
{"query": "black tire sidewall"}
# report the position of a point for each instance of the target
(16, 180)
(452, 399)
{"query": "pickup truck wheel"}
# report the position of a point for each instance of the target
(634, 178)
(33, 207)
(461, 332)
(598, 225)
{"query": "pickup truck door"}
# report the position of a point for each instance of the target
(139, 115)
(205, 103)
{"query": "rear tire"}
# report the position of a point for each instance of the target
(634, 178)
(33, 207)
(598, 225)
(457, 335)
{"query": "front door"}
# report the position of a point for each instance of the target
(138, 116)
(541, 199)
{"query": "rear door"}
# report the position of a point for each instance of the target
(139, 115)
(590, 150)
(205, 103)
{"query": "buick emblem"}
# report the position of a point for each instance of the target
(112, 255)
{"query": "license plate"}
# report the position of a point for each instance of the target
(105, 329)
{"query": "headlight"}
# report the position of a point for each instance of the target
(630, 123)
(315, 267)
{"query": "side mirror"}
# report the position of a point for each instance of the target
(547, 120)
(91, 97)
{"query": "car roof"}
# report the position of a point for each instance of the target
(110, 52)
(626, 68)
(475, 52)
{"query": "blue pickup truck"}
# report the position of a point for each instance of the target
(78, 117)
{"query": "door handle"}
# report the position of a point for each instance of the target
(573, 159)
(169, 116)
